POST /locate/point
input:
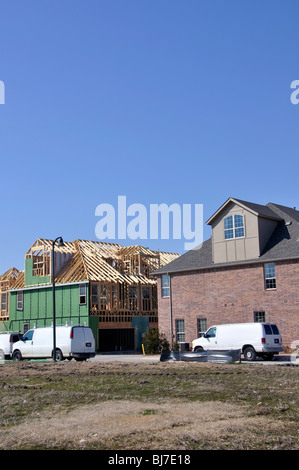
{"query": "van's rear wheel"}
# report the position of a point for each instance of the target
(59, 355)
(249, 354)
(17, 356)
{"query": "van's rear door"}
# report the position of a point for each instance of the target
(82, 340)
(77, 342)
(89, 343)
(276, 335)
(272, 335)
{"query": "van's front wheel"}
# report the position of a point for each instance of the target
(249, 354)
(17, 356)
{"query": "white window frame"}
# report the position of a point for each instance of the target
(203, 322)
(268, 277)
(3, 301)
(233, 228)
(20, 300)
(165, 290)
(82, 296)
(179, 331)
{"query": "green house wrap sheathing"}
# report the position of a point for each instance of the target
(38, 307)
(31, 280)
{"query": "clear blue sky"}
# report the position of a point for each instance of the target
(162, 101)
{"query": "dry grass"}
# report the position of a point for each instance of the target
(148, 406)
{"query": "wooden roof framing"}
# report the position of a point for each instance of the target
(8, 279)
(98, 262)
(43, 246)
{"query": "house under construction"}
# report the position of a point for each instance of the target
(105, 286)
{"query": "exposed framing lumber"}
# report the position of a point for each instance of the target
(124, 270)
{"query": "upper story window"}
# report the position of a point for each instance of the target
(3, 302)
(234, 226)
(82, 294)
(165, 285)
(270, 277)
(20, 300)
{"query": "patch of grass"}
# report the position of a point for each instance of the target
(270, 393)
(149, 412)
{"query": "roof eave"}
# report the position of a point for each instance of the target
(226, 265)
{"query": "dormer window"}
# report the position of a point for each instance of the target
(234, 226)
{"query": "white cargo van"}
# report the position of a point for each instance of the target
(7, 339)
(71, 342)
(254, 339)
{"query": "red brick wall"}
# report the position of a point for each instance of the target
(231, 295)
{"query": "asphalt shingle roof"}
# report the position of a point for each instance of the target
(283, 243)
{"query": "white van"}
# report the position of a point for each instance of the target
(71, 342)
(254, 339)
(7, 339)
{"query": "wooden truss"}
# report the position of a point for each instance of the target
(7, 281)
(120, 278)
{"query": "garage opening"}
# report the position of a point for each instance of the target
(122, 339)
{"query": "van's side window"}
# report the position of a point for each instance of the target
(28, 335)
(211, 333)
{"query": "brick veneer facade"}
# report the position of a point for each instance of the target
(232, 295)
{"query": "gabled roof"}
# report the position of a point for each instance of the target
(10, 278)
(44, 245)
(257, 209)
(282, 245)
(10, 275)
(97, 261)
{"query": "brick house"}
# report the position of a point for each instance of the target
(248, 271)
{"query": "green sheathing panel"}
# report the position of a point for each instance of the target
(4, 326)
(94, 325)
(38, 307)
(142, 325)
(31, 280)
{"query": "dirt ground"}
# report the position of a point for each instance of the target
(93, 405)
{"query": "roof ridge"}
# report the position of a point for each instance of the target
(78, 247)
